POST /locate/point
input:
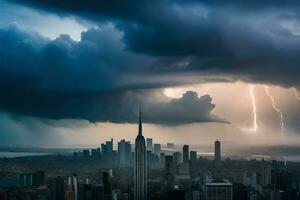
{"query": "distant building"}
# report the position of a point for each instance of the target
(39, 178)
(162, 159)
(86, 153)
(185, 152)
(149, 144)
(106, 180)
(32, 179)
(124, 150)
(193, 156)
(95, 153)
(110, 146)
(140, 165)
(169, 164)
(107, 148)
(69, 191)
(87, 191)
(177, 158)
(218, 190)
(157, 149)
(217, 150)
(75, 186)
(57, 188)
(98, 191)
(26, 179)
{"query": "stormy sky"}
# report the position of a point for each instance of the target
(86, 66)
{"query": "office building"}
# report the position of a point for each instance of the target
(217, 150)
(124, 150)
(149, 144)
(140, 165)
(185, 152)
(106, 180)
(169, 164)
(218, 189)
(157, 149)
(69, 192)
(177, 158)
(193, 156)
(107, 148)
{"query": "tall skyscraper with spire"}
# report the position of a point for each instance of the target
(140, 165)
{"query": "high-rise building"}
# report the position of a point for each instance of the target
(193, 156)
(169, 164)
(98, 191)
(217, 150)
(87, 191)
(149, 144)
(39, 178)
(69, 192)
(75, 186)
(57, 189)
(177, 158)
(185, 152)
(26, 179)
(162, 159)
(157, 149)
(218, 190)
(110, 145)
(124, 150)
(140, 165)
(106, 180)
(86, 153)
(107, 148)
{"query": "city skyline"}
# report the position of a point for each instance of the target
(149, 100)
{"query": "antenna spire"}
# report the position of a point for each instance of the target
(140, 122)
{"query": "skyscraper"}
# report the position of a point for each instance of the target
(124, 150)
(157, 148)
(140, 165)
(177, 158)
(218, 190)
(69, 192)
(217, 150)
(110, 146)
(75, 186)
(193, 156)
(185, 152)
(149, 144)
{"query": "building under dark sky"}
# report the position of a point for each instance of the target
(140, 165)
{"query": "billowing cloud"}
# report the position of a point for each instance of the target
(136, 51)
(63, 78)
(251, 41)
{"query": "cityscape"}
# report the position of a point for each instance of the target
(148, 172)
(149, 100)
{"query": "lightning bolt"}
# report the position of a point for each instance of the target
(296, 94)
(276, 109)
(254, 126)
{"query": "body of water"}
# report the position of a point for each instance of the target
(7, 154)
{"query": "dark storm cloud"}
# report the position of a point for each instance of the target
(251, 41)
(62, 78)
(145, 45)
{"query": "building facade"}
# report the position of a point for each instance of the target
(140, 165)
